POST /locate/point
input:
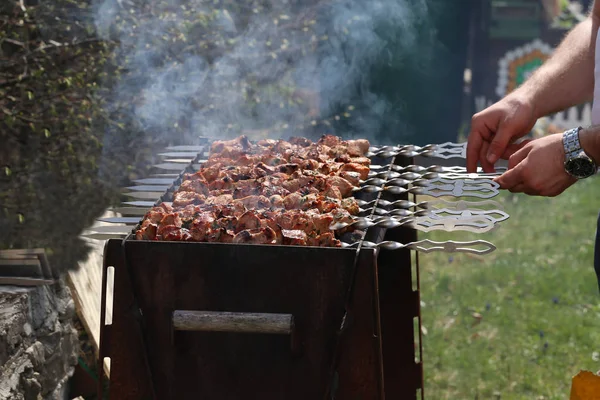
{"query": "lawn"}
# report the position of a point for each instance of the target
(520, 322)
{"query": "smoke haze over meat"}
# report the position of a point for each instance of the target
(261, 68)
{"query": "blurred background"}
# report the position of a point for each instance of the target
(90, 90)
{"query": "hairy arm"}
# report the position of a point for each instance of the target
(567, 78)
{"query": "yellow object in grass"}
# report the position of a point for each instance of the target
(585, 386)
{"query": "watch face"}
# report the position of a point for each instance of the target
(580, 167)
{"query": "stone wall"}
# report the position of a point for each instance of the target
(38, 342)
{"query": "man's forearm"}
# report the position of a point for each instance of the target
(567, 78)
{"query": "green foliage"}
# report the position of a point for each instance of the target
(49, 147)
(570, 15)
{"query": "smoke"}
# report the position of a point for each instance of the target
(271, 68)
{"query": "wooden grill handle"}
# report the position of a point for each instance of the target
(217, 321)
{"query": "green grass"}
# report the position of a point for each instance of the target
(520, 322)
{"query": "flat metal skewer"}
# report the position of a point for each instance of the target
(120, 220)
(127, 211)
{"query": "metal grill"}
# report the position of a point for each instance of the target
(345, 317)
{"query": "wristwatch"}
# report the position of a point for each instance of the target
(577, 163)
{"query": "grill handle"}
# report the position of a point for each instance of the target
(217, 321)
(238, 322)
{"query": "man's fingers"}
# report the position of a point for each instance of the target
(518, 156)
(523, 188)
(512, 177)
(499, 143)
(513, 148)
(518, 188)
(474, 145)
(485, 164)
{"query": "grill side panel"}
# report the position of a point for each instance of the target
(309, 283)
(122, 341)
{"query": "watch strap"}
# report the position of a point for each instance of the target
(574, 152)
(571, 143)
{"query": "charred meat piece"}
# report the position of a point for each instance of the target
(276, 201)
(350, 205)
(182, 199)
(147, 232)
(333, 192)
(254, 202)
(358, 147)
(361, 160)
(218, 234)
(197, 185)
(255, 236)
(360, 169)
(220, 146)
(294, 237)
(248, 220)
(352, 177)
(343, 185)
(200, 226)
(222, 199)
(300, 141)
(324, 240)
(329, 140)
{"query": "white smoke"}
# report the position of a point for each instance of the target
(264, 68)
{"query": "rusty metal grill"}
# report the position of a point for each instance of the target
(353, 309)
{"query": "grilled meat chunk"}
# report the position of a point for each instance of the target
(294, 237)
(255, 236)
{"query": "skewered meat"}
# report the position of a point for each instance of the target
(270, 192)
(360, 169)
(256, 236)
(294, 237)
(182, 199)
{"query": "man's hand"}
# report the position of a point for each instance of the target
(538, 168)
(495, 129)
(565, 80)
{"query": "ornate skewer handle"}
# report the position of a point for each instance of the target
(476, 224)
(429, 246)
(437, 187)
(431, 175)
(444, 150)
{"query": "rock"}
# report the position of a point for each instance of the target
(51, 342)
(13, 316)
(27, 329)
(36, 355)
(31, 389)
(38, 342)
